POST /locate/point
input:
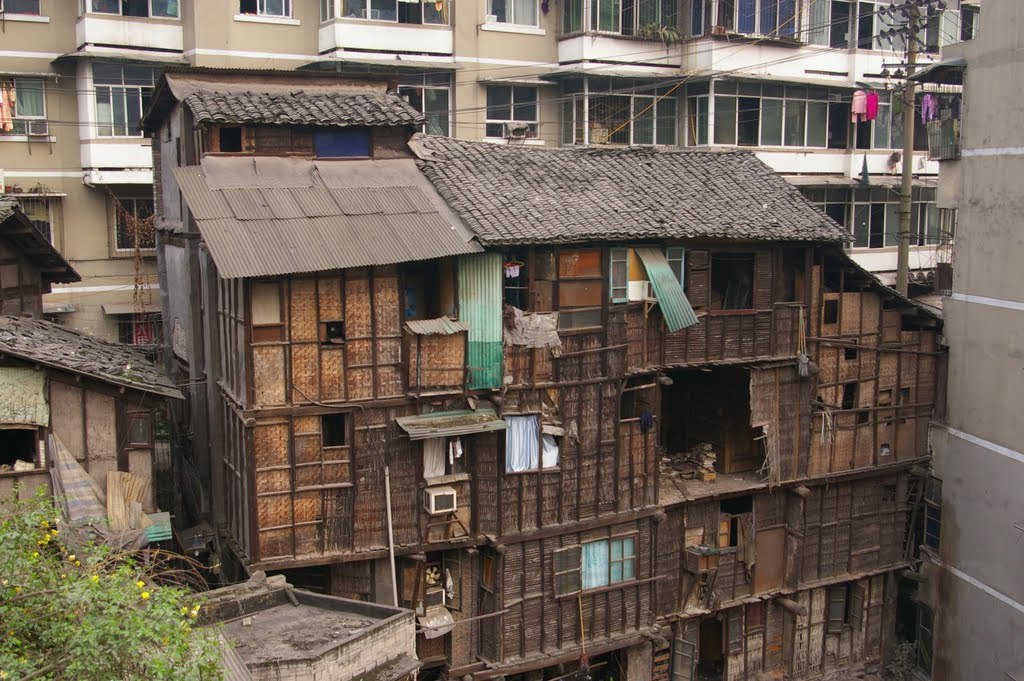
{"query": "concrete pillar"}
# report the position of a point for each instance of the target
(639, 661)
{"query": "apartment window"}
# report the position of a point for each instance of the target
(431, 96)
(772, 114)
(122, 94)
(625, 17)
(527, 448)
(876, 218)
(327, 10)
(969, 16)
(399, 11)
(141, 328)
(845, 607)
(925, 638)
(763, 17)
(266, 8)
(511, 110)
(833, 201)
(932, 512)
(626, 119)
(137, 8)
(29, 107)
(519, 12)
(133, 222)
(40, 214)
(20, 6)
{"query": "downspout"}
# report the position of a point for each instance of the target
(391, 537)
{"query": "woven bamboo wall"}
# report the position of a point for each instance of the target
(306, 366)
(436, 362)
(540, 622)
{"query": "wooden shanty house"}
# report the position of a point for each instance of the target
(623, 407)
(75, 410)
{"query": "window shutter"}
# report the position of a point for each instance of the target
(735, 625)
(567, 570)
(684, 659)
(836, 609)
(856, 606)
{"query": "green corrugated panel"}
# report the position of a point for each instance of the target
(480, 307)
(675, 307)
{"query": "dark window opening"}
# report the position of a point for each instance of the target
(135, 8)
(427, 290)
(838, 124)
(737, 505)
(247, 7)
(792, 280)
(230, 139)
(748, 129)
(904, 396)
(732, 281)
(831, 315)
(17, 444)
(755, 616)
(140, 430)
(839, 36)
(850, 353)
(636, 401)
(516, 280)
(865, 25)
(863, 417)
(849, 395)
(334, 331)
(334, 430)
(711, 650)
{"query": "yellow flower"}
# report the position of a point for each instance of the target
(44, 524)
(184, 611)
(144, 595)
(35, 554)
(55, 532)
(140, 584)
(71, 557)
(3, 582)
(78, 563)
(95, 578)
(63, 576)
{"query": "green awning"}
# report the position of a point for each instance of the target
(675, 307)
(451, 423)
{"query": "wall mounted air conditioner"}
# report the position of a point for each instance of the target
(640, 291)
(37, 128)
(516, 131)
(439, 500)
(434, 597)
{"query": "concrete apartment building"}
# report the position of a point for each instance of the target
(973, 553)
(777, 77)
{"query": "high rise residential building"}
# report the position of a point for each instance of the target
(774, 76)
(971, 601)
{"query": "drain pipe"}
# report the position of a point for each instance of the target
(391, 536)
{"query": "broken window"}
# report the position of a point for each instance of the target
(925, 632)
(487, 571)
(684, 658)
(619, 279)
(932, 512)
(735, 521)
(845, 607)
(732, 281)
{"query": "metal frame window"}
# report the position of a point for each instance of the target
(122, 94)
(621, 17)
(676, 256)
(760, 17)
(618, 276)
(595, 564)
(39, 211)
(514, 12)
(932, 513)
(142, 328)
(599, 115)
(266, 8)
(396, 11)
(29, 106)
(432, 96)
(511, 104)
(875, 217)
(161, 9)
(138, 207)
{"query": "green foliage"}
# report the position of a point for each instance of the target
(90, 613)
(668, 35)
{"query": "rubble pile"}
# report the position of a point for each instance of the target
(698, 463)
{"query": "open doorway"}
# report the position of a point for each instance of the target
(711, 651)
(706, 421)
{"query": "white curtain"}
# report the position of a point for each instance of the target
(549, 452)
(522, 443)
(595, 564)
(433, 457)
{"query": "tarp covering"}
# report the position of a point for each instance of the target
(675, 307)
(451, 423)
(23, 397)
(442, 326)
(534, 330)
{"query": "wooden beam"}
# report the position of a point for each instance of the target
(791, 605)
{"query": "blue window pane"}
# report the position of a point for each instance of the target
(628, 569)
(616, 572)
(627, 548)
(747, 18)
(336, 143)
(595, 564)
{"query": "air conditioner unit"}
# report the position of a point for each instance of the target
(434, 597)
(439, 500)
(516, 131)
(641, 290)
(37, 128)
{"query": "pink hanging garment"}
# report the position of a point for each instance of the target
(871, 106)
(6, 110)
(858, 106)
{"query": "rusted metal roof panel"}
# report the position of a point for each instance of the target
(451, 423)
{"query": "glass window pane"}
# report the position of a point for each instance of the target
(861, 225)
(434, 12)
(133, 112)
(107, 74)
(628, 568)
(665, 110)
(616, 546)
(524, 12)
(643, 120)
(892, 224)
(749, 121)
(594, 564)
(627, 547)
(117, 107)
(435, 102)
(881, 139)
(138, 75)
(107, 6)
(725, 120)
(605, 15)
(771, 121)
(567, 122)
(817, 124)
(383, 10)
(572, 16)
(524, 101)
(169, 8)
(616, 572)
(795, 123)
(499, 103)
(499, 10)
(354, 9)
(30, 101)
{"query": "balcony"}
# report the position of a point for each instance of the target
(130, 32)
(944, 139)
(383, 35)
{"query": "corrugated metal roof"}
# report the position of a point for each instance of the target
(451, 423)
(373, 213)
(442, 326)
(675, 307)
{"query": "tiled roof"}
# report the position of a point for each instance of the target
(345, 214)
(511, 194)
(43, 342)
(300, 108)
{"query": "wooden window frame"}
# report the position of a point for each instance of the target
(632, 558)
(853, 599)
(932, 513)
(572, 567)
(267, 332)
(734, 635)
(488, 573)
(142, 416)
(754, 617)
(677, 254)
(618, 255)
(737, 256)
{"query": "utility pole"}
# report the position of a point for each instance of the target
(907, 186)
